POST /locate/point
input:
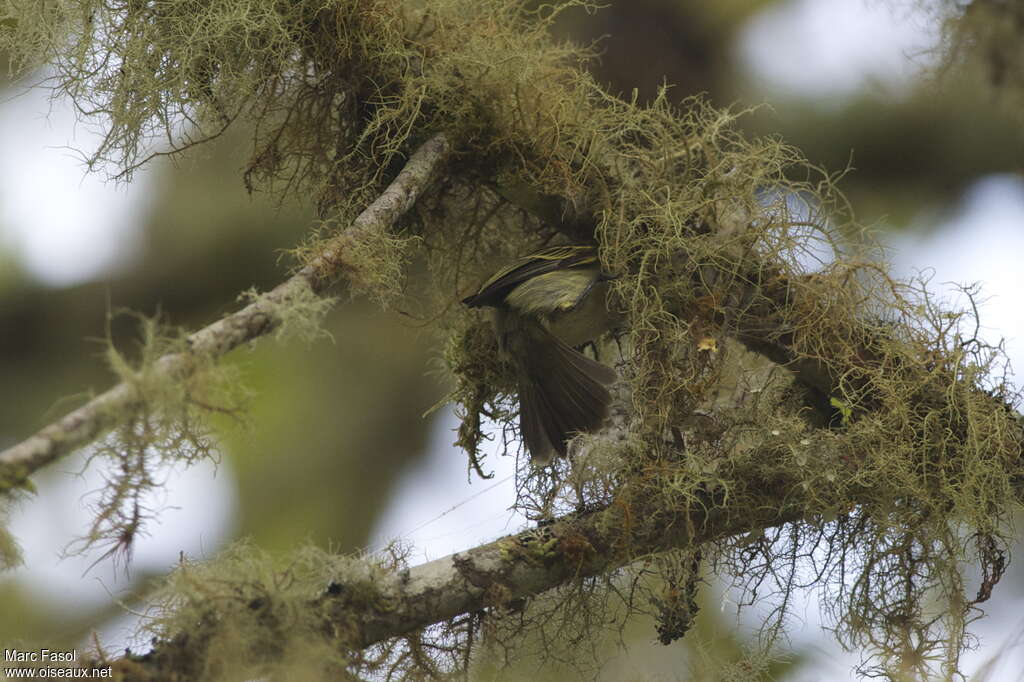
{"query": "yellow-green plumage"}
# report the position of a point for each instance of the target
(544, 304)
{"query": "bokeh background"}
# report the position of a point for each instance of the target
(339, 451)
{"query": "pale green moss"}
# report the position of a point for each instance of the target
(300, 316)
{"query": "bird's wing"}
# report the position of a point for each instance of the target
(551, 259)
(553, 292)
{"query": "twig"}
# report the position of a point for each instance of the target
(258, 318)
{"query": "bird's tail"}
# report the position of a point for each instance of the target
(561, 392)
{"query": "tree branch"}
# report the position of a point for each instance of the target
(494, 575)
(258, 318)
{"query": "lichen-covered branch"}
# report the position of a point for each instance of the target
(366, 608)
(261, 316)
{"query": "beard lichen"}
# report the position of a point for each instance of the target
(167, 424)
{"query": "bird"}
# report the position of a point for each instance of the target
(545, 305)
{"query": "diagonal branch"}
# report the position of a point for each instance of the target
(106, 410)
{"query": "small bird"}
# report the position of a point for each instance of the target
(545, 304)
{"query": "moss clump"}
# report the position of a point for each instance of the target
(300, 314)
(483, 391)
(376, 264)
(246, 613)
(10, 552)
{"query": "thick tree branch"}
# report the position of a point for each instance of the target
(258, 318)
(494, 575)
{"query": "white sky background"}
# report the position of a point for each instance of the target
(195, 513)
(67, 227)
(824, 50)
